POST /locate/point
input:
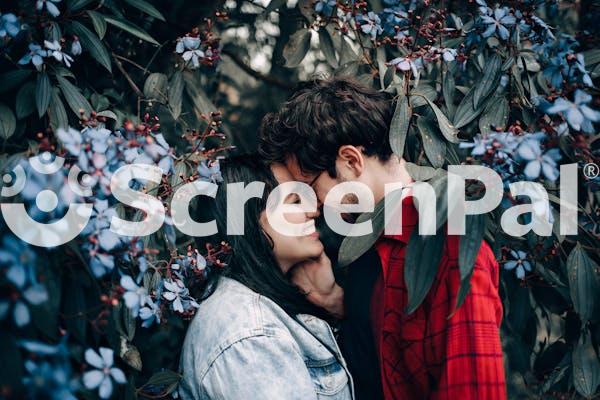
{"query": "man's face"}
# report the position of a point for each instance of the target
(321, 182)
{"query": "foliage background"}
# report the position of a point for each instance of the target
(177, 83)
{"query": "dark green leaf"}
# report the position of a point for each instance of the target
(176, 94)
(131, 28)
(420, 172)
(146, 8)
(164, 378)
(25, 103)
(295, 50)
(12, 79)
(43, 93)
(489, 80)
(447, 129)
(10, 356)
(583, 282)
(326, 45)
(75, 5)
(399, 125)
(8, 122)
(202, 104)
(423, 255)
(434, 145)
(495, 114)
(586, 366)
(99, 23)
(57, 113)
(355, 246)
(90, 42)
(426, 92)
(108, 114)
(465, 112)
(448, 89)
(74, 98)
(74, 308)
(274, 5)
(469, 245)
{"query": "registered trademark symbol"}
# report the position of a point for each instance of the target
(591, 170)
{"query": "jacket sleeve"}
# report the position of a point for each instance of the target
(259, 367)
(472, 364)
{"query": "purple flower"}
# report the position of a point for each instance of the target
(103, 376)
(150, 313)
(325, 7)
(135, 296)
(370, 24)
(55, 50)
(210, 171)
(519, 263)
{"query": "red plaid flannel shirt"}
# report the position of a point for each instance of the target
(426, 355)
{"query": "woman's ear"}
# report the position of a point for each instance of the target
(351, 161)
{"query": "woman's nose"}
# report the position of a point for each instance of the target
(314, 214)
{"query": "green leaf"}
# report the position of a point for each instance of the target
(176, 94)
(155, 86)
(202, 104)
(583, 282)
(326, 45)
(434, 146)
(447, 129)
(469, 245)
(399, 125)
(92, 43)
(295, 50)
(489, 80)
(164, 378)
(99, 23)
(465, 112)
(146, 8)
(57, 113)
(108, 114)
(25, 103)
(43, 93)
(494, 115)
(74, 98)
(425, 92)
(12, 79)
(353, 247)
(274, 5)
(131, 28)
(586, 366)
(420, 172)
(423, 256)
(8, 122)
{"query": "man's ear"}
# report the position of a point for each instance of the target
(351, 159)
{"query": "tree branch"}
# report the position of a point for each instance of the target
(256, 74)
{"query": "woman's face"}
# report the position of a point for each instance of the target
(290, 250)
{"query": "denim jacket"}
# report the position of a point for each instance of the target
(241, 345)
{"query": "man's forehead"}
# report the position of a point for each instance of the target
(292, 164)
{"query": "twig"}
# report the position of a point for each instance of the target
(132, 84)
(256, 74)
(131, 62)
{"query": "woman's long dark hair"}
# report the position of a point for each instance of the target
(252, 261)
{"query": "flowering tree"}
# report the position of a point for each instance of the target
(103, 84)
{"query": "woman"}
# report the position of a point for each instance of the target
(255, 335)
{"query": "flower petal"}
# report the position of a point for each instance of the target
(94, 359)
(92, 379)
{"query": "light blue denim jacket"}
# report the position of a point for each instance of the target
(241, 345)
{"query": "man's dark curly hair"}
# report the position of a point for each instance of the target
(323, 115)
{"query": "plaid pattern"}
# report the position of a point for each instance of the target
(427, 355)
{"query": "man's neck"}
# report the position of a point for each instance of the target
(392, 171)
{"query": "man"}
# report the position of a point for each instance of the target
(336, 130)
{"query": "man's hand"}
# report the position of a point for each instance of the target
(315, 278)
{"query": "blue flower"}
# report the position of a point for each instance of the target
(578, 114)
(76, 47)
(35, 56)
(210, 171)
(189, 48)
(370, 24)
(178, 295)
(498, 23)
(546, 163)
(102, 377)
(9, 25)
(519, 263)
(50, 6)
(406, 64)
(150, 313)
(134, 296)
(325, 7)
(49, 380)
(55, 50)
